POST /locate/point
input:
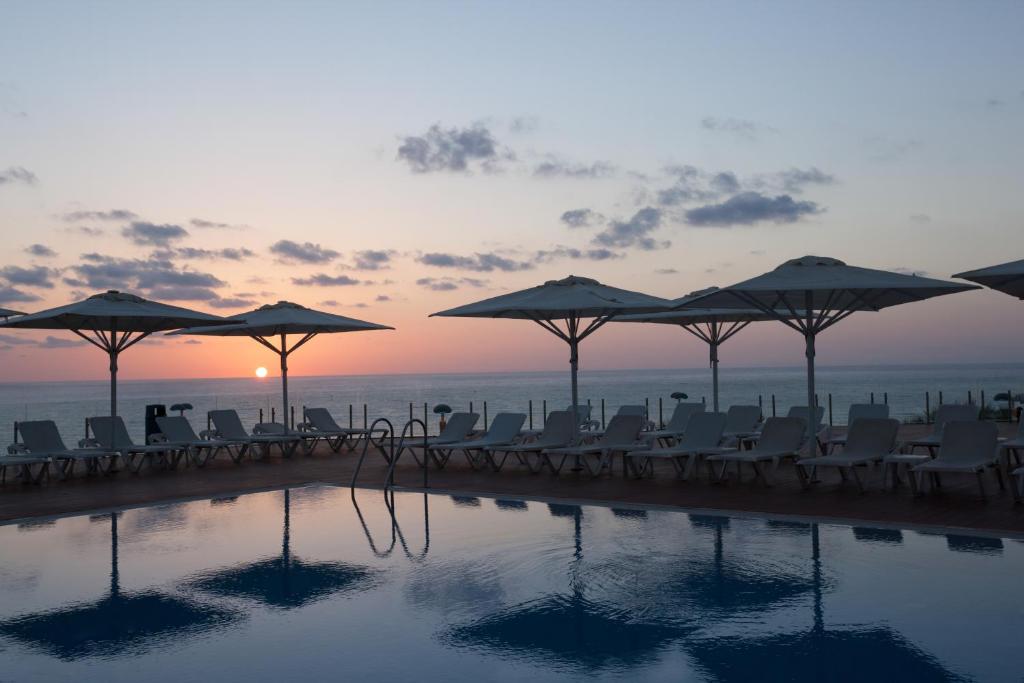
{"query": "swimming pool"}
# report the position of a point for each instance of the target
(318, 584)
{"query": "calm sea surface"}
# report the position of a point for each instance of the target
(390, 395)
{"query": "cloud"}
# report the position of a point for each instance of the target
(226, 254)
(581, 218)
(13, 340)
(479, 262)
(523, 124)
(597, 254)
(35, 276)
(633, 232)
(192, 341)
(665, 271)
(454, 150)
(382, 298)
(51, 342)
(795, 179)
(748, 208)
(725, 182)
(558, 168)
(920, 218)
(330, 302)
(86, 230)
(203, 224)
(17, 174)
(373, 259)
(40, 250)
(111, 215)
(325, 280)
(159, 277)
(232, 302)
(447, 284)
(741, 128)
(153, 235)
(691, 184)
(307, 252)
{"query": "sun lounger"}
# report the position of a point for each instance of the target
(41, 438)
(504, 431)
(198, 450)
(1011, 448)
(950, 412)
(622, 434)
(867, 443)
(111, 434)
(229, 427)
(857, 411)
(676, 425)
(459, 427)
(22, 461)
(781, 438)
(741, 422)
(702, 437)
(969, 447)
(557, 434)
(320, 422)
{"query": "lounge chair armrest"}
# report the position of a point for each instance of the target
(590, 424)
(209, 434)
(17, 449)
(156, 438)
(88, 443)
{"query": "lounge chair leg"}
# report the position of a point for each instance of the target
(801, 473)
(912, 480)
(856, 478)
(999, 477)
(981, 484)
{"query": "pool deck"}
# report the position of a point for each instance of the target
(958, 505)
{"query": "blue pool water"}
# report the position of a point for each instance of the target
(313, 584)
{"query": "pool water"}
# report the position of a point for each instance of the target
(318, 584)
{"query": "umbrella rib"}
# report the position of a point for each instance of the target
(133, 342)
(697, 332)
(104, 343)
(302, 341)
(594, 325)
(549, 326)
(745, 298)
(733, 329)
(270, 346)
(90, 339)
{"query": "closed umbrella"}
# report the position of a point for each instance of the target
(713, 326)
(813, 293)
(113, 321)
(278, 321)
(561, 307)
(1006, 277)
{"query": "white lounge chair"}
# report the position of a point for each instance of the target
(781, 438)
(878, 411)
(459, 427)
(557, 433)
(741, 422)
(320, 422)
(504, 431)
(702, 437)
(42, 439)
(622, 434)
(867, 443)
(111, 434)
(969, 447)
(19, 459)
(950, 412)
(228, 427)
(676, 425)
(198, 450)
(1012, 447)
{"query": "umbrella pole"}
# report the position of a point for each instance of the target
(113, 383)
(713, 346)
(812, 409)
(284, 380)
(574, 362)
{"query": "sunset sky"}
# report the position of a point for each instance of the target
(388, 160)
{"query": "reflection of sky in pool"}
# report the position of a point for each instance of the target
(271, 586)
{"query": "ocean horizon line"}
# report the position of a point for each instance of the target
(734, 368)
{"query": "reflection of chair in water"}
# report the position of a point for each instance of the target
(509, 504)
(286, 581)
(873, 535)
(629, 513)
(466, 501)
(974, 544)
(117, 623)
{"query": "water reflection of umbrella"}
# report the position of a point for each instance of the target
(122, 622)
(286, 581)
(854, 654)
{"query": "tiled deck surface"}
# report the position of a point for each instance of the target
(958, 505)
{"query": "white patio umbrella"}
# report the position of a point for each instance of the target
(813, 293)
(569, 301)
(1006, 277)
(113, 321)
(280, 320)
(6, 313)
(713, 326)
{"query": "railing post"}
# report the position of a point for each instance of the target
(927, 409)
(366, 416)
(1009, 404)
(350, 425)
(602, 413)
(885, 398)
(872, 398)
(544, 412)
(261, 414)
(410, 411)
(293, 416)
(760, 405)
(773, 405)
(647, 408)
(485, 416)
(970, 399)
(425, 426)
(661, 414)
(530, 412)
(471, 406)
(981, 398)
(273, 414)
(830, 422)
(940, 398)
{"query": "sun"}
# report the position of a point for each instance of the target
(261, 372)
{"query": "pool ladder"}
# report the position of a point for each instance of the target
(407, 441)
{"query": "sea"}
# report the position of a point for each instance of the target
(358, 400)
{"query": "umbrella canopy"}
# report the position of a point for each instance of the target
(6, 313)
(812, 293)
(280, 320)
(560, 306)
(713, 326)
(113, 321)
(1006, 277)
